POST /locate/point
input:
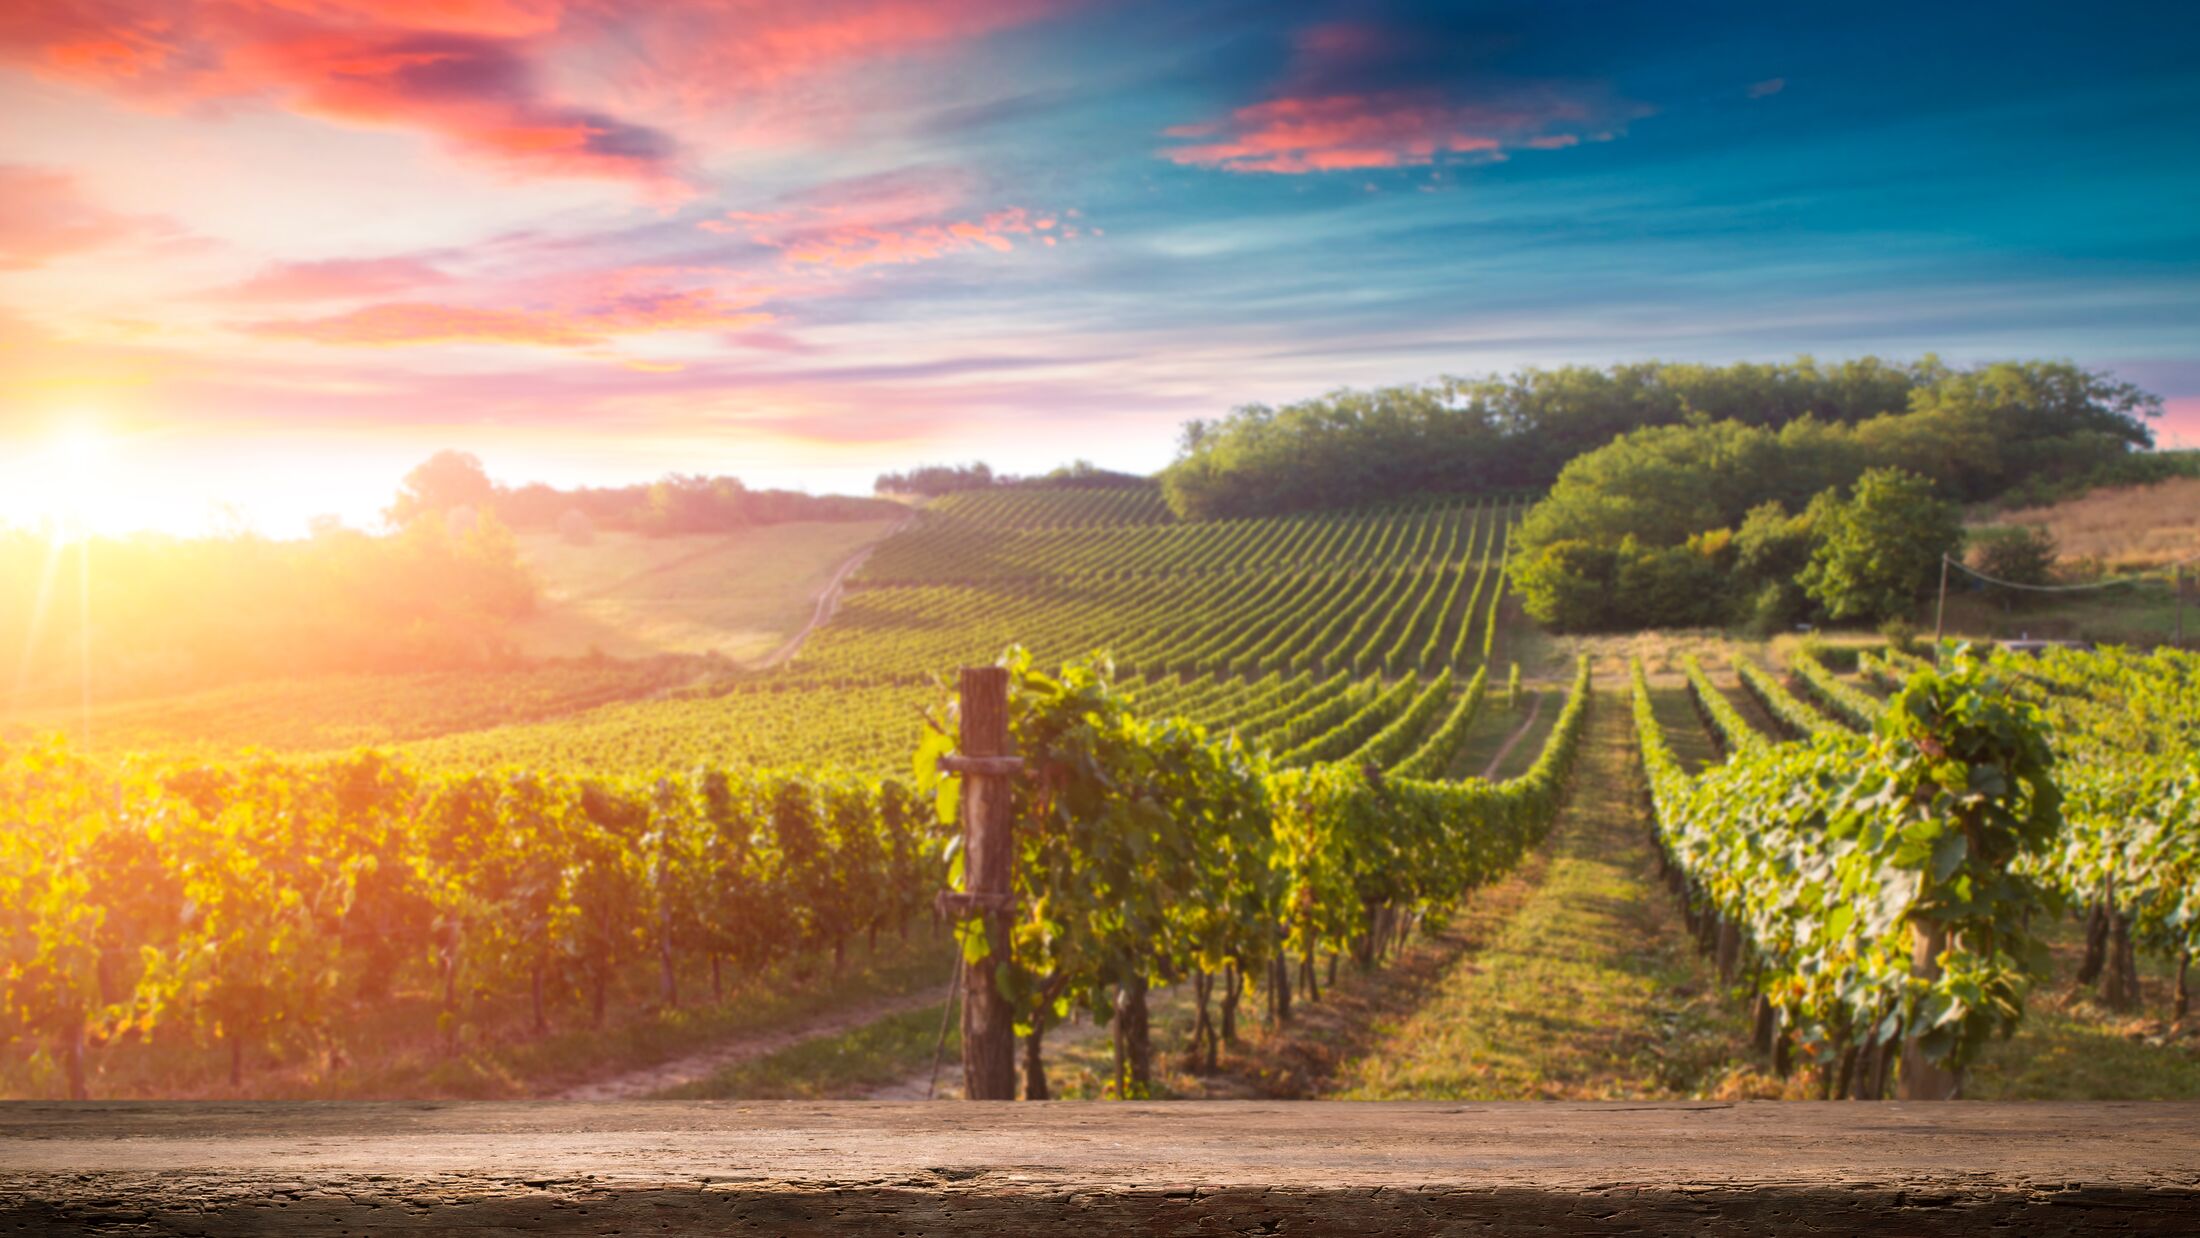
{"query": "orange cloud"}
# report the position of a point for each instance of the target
(501, 18)
(853, 247)
(710, 53)
(474, 73)
(43, 216)
(334, 279)
(1357, 95)
(1356, 131)
(478, 94)
(465, 72)
(403, 323)
(890, 220)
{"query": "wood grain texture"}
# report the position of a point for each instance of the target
(1204, 1169)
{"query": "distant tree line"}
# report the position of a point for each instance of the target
(166, 613)
(1978, 432)
(674, 504)
(934, 480)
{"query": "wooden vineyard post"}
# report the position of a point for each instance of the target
(1922, 1079)
(988, 1025)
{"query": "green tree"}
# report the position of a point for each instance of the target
(1770, 551)
(2022, 554)
(1879, 548)
(1568, 585)
(445, 480)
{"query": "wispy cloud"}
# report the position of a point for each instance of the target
(44, 215)
(333, 279)
(403, 323)
(494, 80)
(468, 73)
(1360, 95)
(918, 215)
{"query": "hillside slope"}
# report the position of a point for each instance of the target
(2124, 528)
(737, 594)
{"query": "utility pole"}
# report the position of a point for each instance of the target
(988, 1025)
(1940, 610)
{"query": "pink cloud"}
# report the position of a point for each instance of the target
(889, 220)
(479, 95)
(853, 247)
(1769, 86)
(467, 72)
(475, 74)
(1338, 132)
(404, 323)
(709, 54)
(1349, 100)
(334, 279)
(44, 216)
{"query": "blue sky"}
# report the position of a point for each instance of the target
(277, 251)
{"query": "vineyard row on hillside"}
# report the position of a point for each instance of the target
(1880, 880)
(252, 903)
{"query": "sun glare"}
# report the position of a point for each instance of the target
(75, 477)
(66, 484)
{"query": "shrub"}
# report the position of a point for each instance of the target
(1900, 635)
(2022, 554)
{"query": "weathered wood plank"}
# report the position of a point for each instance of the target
(1194, 1169)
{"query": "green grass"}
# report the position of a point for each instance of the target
(739, 594)
(2142, 613)
(2066, 1051)
(881, 1052)
(1487, 733)
(2069, 1047)
(1684, 728)
(1495, 724)
(337, 712)
(1589, 990)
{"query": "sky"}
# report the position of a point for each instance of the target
(258, 257)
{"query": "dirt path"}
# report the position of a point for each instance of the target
(1512, 741)
(694, 1067)
(828, 601)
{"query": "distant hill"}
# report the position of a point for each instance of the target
(741, 594)
(2123, 528)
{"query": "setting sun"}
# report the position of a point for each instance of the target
(67, 485)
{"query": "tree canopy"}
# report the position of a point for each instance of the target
(1877, 549)
(1981, 430)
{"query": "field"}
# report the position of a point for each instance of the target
(1379, 872)
(739, 595)
(2123, 529)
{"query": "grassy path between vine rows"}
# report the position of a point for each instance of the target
(1589, 989)
(1751, 708)
(1512, 742)
(728, 1055)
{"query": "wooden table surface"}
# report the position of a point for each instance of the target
(1207, 1168)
